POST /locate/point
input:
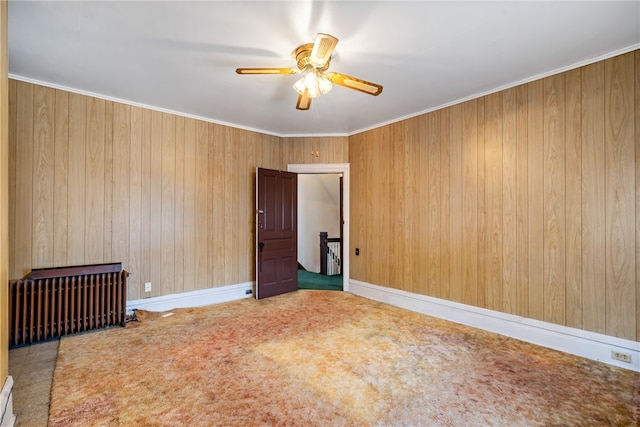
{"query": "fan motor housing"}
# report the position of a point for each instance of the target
(302, 53)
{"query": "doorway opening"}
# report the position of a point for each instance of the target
(329, 171)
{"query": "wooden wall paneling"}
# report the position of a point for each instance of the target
(554, 200)
(191, 234)
(535, 166)
(573, 198)
(509, 196)
(422, 128)
(12, 124)
(155, 220)
(445, 204)
(77, 179)
(620, 196)
(179, 239)
(456, 234)
(109, 174)
(637, 145)
(469, 202)
(483, 236)
(522, 208)
(493, 165)
(145, 203)
(43, 174)
(135, 289)
(593, 198)
(435, 219)
(95, 182)
(202, 205)
(168, 210)
(24, 180)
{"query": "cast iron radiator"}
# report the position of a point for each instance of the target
(52, 302)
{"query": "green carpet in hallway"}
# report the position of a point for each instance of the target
(309, 280)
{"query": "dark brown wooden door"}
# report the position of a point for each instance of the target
(276, 232)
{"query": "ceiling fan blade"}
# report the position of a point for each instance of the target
(304, 102)
(322, 49)
(354, 83)
(266, 71)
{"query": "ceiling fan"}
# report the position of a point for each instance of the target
(313, 61)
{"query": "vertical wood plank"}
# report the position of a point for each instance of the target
(43, 175)
(77, 181)
(190, 230)
(509, 196)
(109, 172)
(179, 236)
(12, 124)
(145, 202)
(24, 180)
(134, 289)
(61, 179)
(593, 198)
(95, 181)
(554, 200)
(155, 221)
(522, 207)
(493, 165)
(637, 145)
(445, 204)
(202, 197)
(470, 202)
(394, 197)
(423, 196)
(535, 186)
(231, 179)
(483, 236)
(620, 195)
(413, 214)
(168, 184)
(217, 205)
(573, 176)
(434, 203)
(120, 209)
(456, 234)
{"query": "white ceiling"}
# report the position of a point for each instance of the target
(181, 56)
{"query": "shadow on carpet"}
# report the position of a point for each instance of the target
(309, 280)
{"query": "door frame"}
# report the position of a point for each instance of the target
(343, 168)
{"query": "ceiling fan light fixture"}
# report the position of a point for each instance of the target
(314, 83)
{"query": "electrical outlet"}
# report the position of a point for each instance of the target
(147, 287)
(623, 357)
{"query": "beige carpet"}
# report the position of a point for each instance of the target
(328, 359)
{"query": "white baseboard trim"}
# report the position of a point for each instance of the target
(7, 417)
(193, 298)
(582, 343)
